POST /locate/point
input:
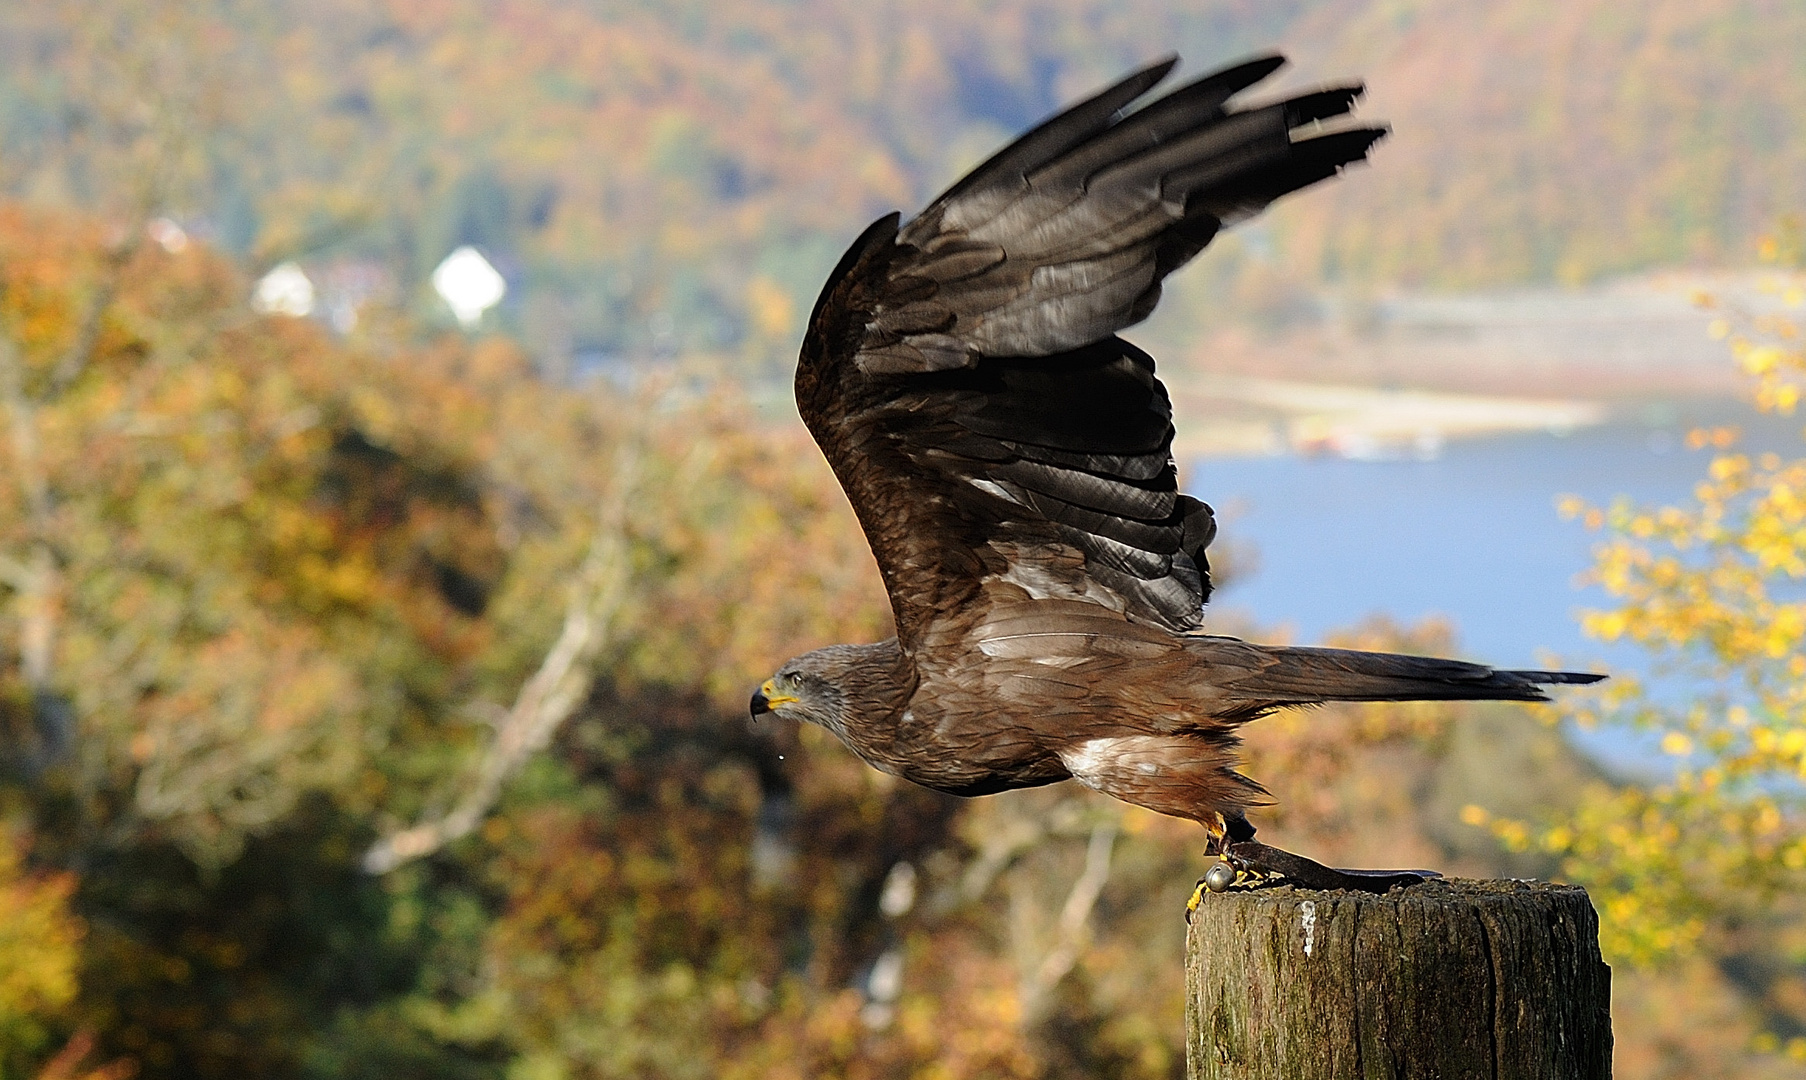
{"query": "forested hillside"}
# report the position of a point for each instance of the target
(1559, 142)
(657, 178)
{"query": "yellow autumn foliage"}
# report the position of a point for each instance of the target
(1713, 590)
(39, 950)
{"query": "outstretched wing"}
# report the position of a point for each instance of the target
(961, 372)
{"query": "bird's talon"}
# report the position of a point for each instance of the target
(1197, 897)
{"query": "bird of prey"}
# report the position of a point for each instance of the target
(1010, 461)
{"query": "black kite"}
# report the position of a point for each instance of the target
(1009, 459)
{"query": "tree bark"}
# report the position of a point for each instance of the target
(1500, 980)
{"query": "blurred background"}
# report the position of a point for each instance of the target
(400, 495)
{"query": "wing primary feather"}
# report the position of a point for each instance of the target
(1310, 161)
(1217, 87)
(1240, 133)
(1065, 130)
(1308, 108)
(1188, 107)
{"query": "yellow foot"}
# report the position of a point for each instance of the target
(1197, 897)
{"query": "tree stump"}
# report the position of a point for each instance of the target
(1449, 979)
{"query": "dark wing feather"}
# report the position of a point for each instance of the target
(961, 371)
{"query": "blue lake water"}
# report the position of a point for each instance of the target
(1472, 535)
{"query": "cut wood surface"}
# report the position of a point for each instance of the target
(1450, 979)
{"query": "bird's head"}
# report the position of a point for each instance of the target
(834, 685)
(806, 688)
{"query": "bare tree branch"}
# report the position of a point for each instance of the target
(34, 578)
(1073, 932)
(552, 694)
(998, 848)
(22, 421)
(1011, 830)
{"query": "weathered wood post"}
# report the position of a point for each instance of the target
(1449, 979)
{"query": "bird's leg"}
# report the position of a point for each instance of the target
(1238, 828)
(1243, 858)
(1230, 829)
(1311, 874)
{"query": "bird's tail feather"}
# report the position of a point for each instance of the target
(1301, 676)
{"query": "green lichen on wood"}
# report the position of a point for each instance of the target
(1498, 980)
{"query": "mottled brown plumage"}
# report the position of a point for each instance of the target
(1010, 461)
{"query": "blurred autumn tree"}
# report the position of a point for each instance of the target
(262, 590)
(1713, 861)
(267, 595)
(39, 952)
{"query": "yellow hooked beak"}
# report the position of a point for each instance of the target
(768, 698)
